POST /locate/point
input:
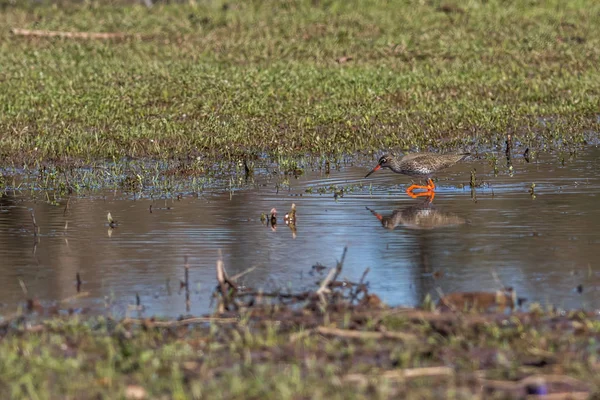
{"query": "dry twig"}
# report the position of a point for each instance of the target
(365, 335)
(74, 297)
(181, 322)
(403, 374)
(238, 276)
(324, 288)
(71, 35)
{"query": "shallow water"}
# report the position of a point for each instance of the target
(544, 247)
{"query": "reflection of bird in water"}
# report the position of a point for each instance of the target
(418, 165)
(273, 219)
(290, 220)
(111, 222)
(420, 216)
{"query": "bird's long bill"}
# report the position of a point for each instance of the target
(377, 168)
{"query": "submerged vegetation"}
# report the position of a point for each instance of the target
(222, 80)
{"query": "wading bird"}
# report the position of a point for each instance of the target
(420, 165)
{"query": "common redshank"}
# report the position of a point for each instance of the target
(420, 216)
(419, 165)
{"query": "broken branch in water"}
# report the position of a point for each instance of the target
(508, 150)
(361, 286)
(227, 287)
(78, 282)
(238, 276)
(331, 277)
(324, 288)
(330, 290)
(36, 228)
(340, 264)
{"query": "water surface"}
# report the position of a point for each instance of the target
(544, 246)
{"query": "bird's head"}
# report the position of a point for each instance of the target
(384, 162)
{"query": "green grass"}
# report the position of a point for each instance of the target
(272, 355)
(222, 80)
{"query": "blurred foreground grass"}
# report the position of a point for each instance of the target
(284, 354)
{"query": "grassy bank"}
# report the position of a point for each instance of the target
(283, 354)
(232, 78)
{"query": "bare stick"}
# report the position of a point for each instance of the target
(526, 155)
(78, 279)
(331, 276)
(221, 278)
(23, 287)
(67, 205)
(77, 296)
(35, 225)
(497, 279)
(187, 285)
(444, 300)
(365, 335)
(323, 288)
(364, 275)
(238, 276)
(69, 187)
(340, 264)
(297, 296)
(508, 150)
(71, 35)
(360, 287)
(182, 322)
(403, 374)
(420, 372)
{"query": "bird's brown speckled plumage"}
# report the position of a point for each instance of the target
(420, 164)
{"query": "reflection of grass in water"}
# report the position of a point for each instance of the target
(252, 77)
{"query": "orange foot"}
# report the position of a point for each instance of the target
(429, 190)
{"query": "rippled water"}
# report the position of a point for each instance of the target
(544, 246)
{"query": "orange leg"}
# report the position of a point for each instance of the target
(430, 185)
(411, 188)
(430, 195)
(429, 190)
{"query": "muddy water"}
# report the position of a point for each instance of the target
(543, 246)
